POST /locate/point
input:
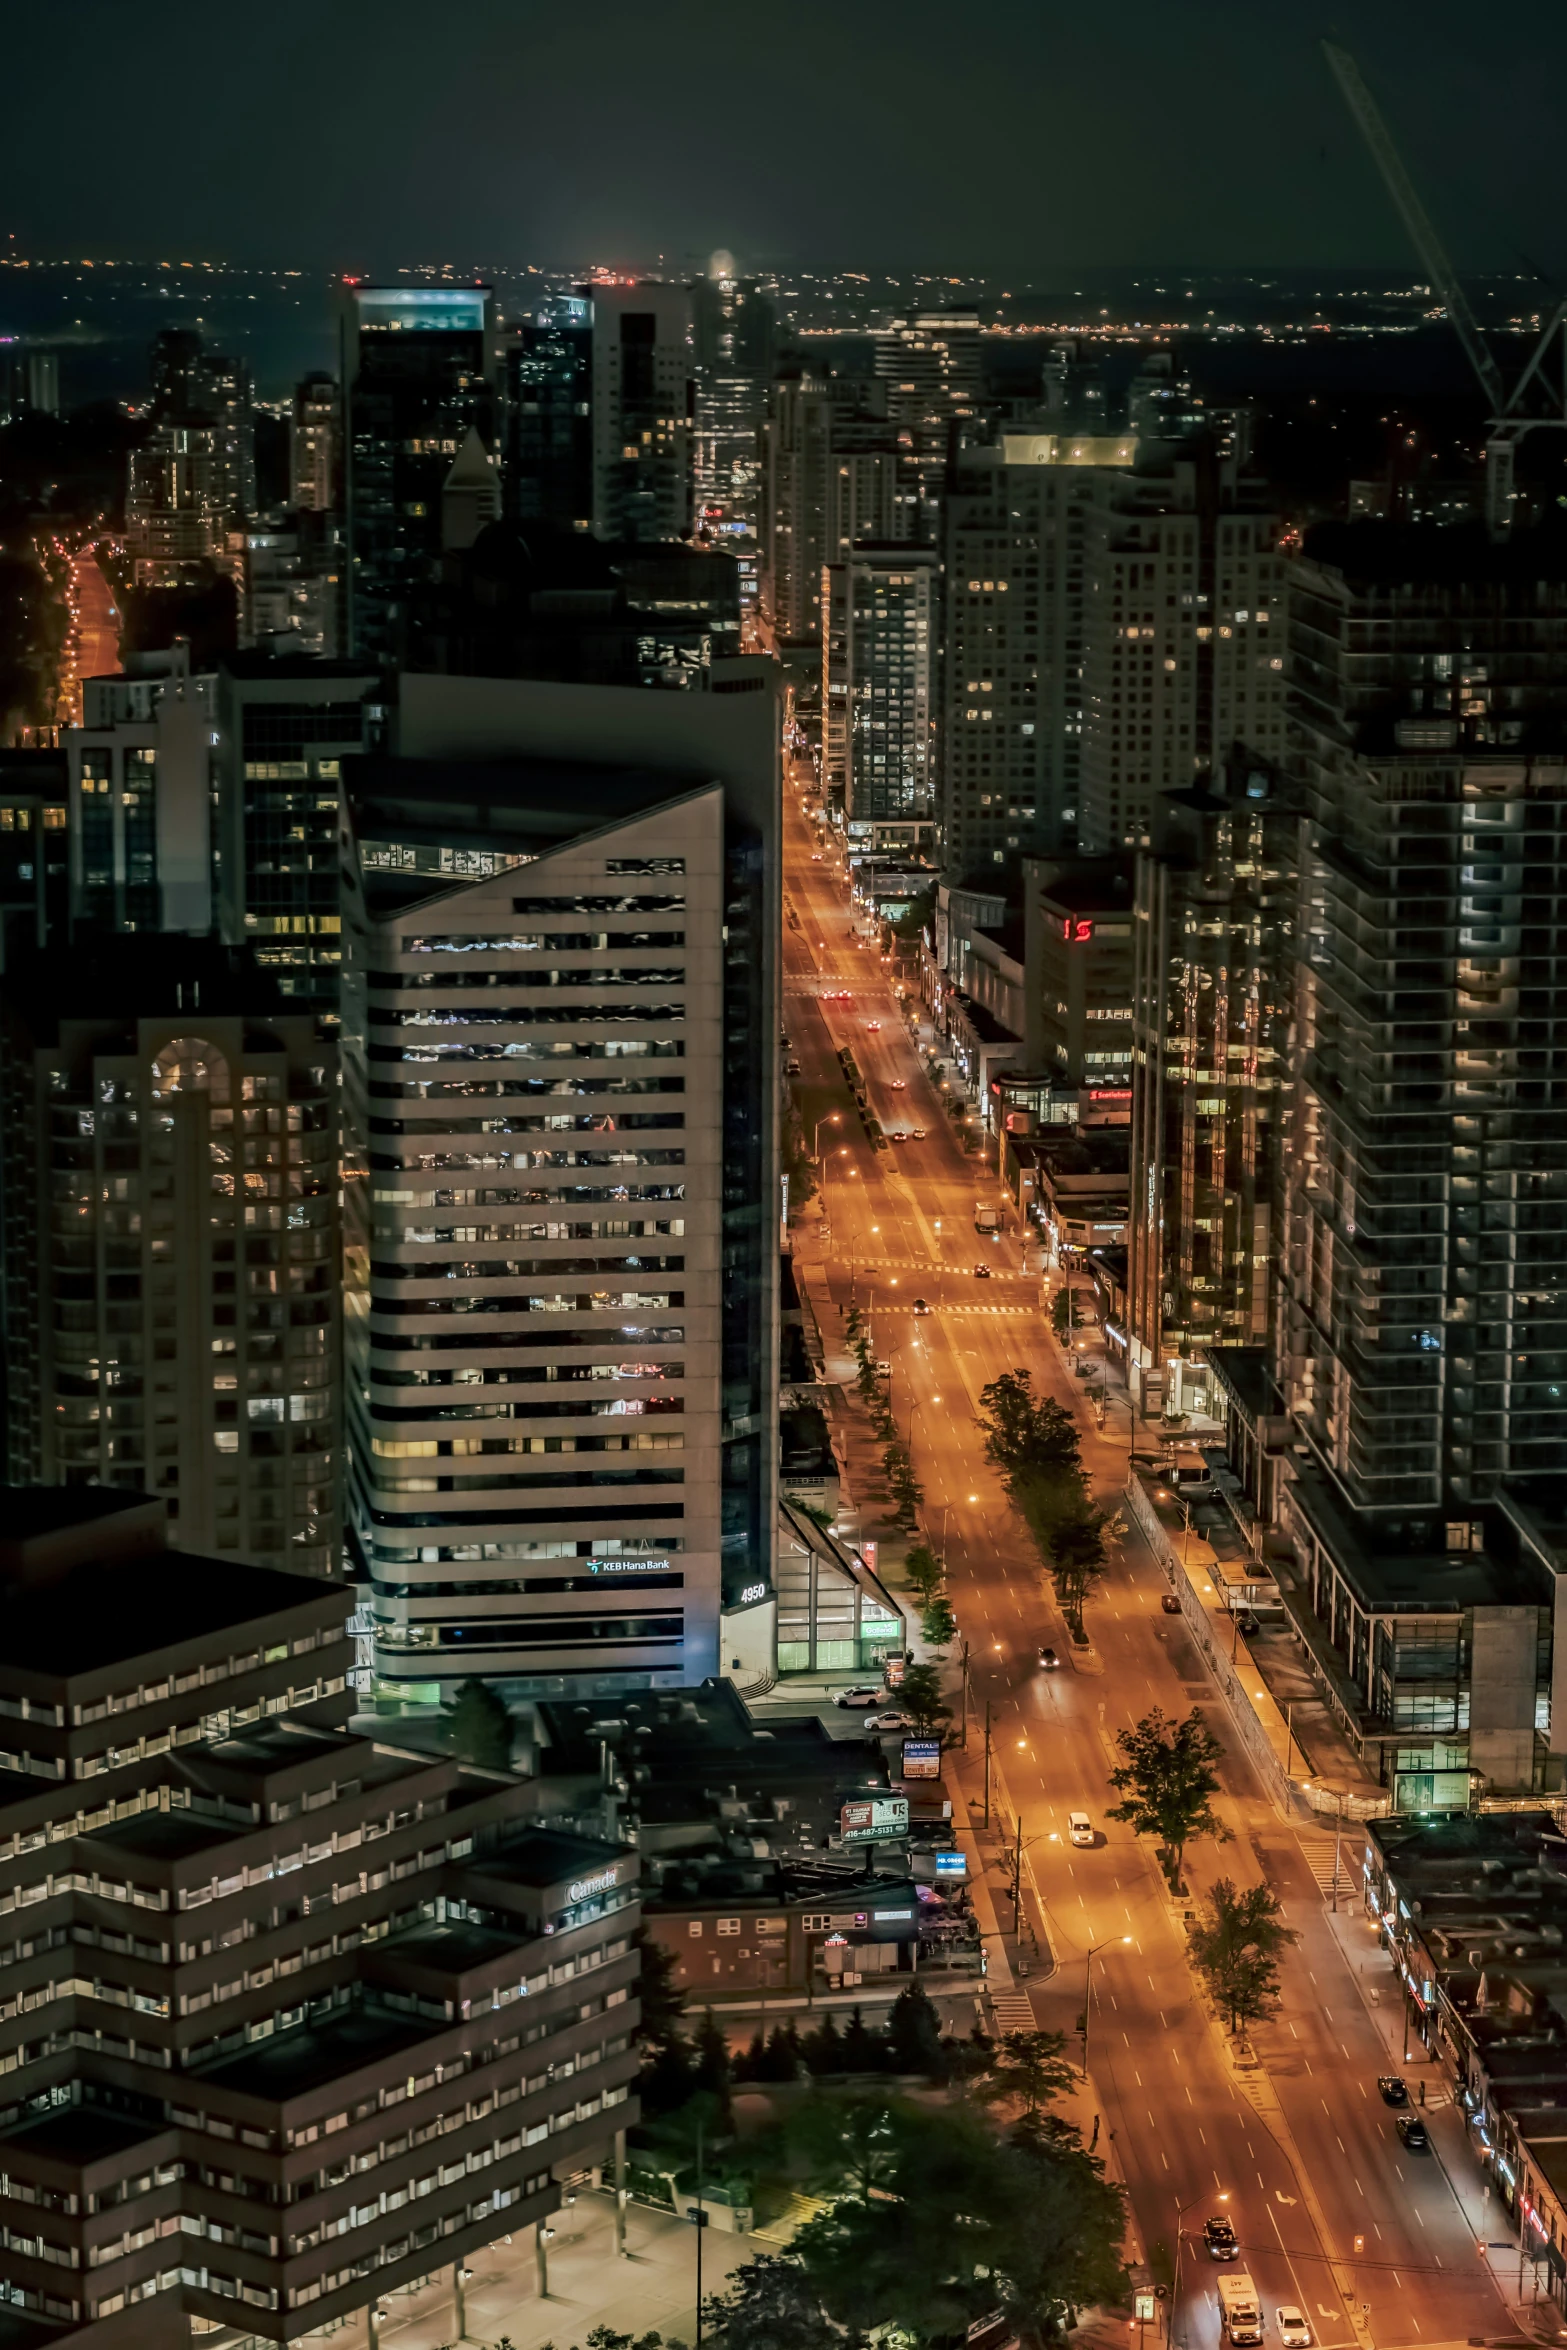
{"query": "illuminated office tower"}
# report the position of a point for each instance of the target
(559, 1029)
(315, 446)
(833, 470)
(644, 408)
(878, 698)
(417, 373)
(547, 362)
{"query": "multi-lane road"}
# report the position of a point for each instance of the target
(1332, 2212)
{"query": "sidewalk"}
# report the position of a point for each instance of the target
(654, 2287)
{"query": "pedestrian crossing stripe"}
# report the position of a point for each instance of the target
(1013, 2012)
(1317, 1852)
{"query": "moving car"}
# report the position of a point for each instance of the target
(1240, 2310)
(899, 1086)
(891, 1721)
(1391, 2089)
(921, 1306)
(883, 1370)
(791, 1067)
(1170, 1602)
(1080, 1827)
(1218, 2234)
(1294, 2333)
(866, 1693)
(1413, 2132)
(874, 1027)
(918, 1133)
(982, 1272)
(1049, 1659)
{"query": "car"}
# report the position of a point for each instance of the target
(982, 1273)
(873, 1027)
(1049, 1659)
(1412, 2130)
(1294, 2333)
(791, 1067)
(890, 1721)
(1170, 1602)
(921, 1306)
(1079, 1827)
(816, 856)
(1391, 2089)
(898, 1085)
(899, 1134)
(883, 1367)
(918, 1133)
(1218, 2234)
(864, 1694)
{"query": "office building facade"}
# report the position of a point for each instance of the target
(559, 1019)
(418, 371)
(547, 365)
(171, 1258)
(833, 470)
(315, 446)
(644, 411)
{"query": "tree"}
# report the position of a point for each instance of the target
(798, 1167)
(906, 1489)
(923, 1572)
(1028, 2070)
(919, 1694)
(1236, 1945)
(662, 2004)
(1064, 1315)
(862, 2050)
(479, 1727)
(935, 2221)
(781, 2058)
(1024, 1431)
(770, 2304)
(823, 2048)
(1071, 1533)
(1169, 1782)
(914, 2033)
(714, 2065)
(938, 1624)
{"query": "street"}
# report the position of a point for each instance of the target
(1332, 2213)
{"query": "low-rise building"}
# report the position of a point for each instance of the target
(289, 2018)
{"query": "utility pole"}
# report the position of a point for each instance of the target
(987, 1762)
(701, 2223)
(963, 1734)
(1338, 1838)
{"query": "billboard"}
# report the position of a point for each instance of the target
(873, 1819)
(922, 1758)
(952, 1864)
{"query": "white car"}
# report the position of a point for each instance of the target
(1294, 2333)
(1080, 1827)
(866, 1694)
(890, 1721)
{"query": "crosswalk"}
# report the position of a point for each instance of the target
(1013, 2011)
(1317, 1852)
(782, 2229)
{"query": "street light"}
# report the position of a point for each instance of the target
(1181, 2210)
(1088, 1987)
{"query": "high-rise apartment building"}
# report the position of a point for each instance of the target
(1012, 531)
(291, 2020)
(210, 801)
(141, 772)
(834, 470)
(1183, 591)
(930, 370)
(1077, 956)
(193, 474)
(878, 686)
(559, 1023)
(644, 411)
(1424, 1318)
(171, 1247)
(1213, 944)
(734, 327)
(315, 446)
(418, 372)
(547, 363)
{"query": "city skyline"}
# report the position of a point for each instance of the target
(1210, 140)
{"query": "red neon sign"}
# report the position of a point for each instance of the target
(1076, 928)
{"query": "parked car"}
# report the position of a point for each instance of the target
(1413, 2132)
(1392, 2089)
(866, 1693)
(891, 1721)
(1049, 1659)
(883, 1369)
(1294, 2333)
(1218, 2234)
(1170, 1602)
(791, 1067)
(1080, 1828)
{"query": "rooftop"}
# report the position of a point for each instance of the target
(543, 1856)
(80, 2134)
(101, 1612)
(311, 2056)
(1392, 1570)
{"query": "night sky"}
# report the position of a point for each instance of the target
(987, 138)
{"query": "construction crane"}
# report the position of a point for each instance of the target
(1539, 397)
